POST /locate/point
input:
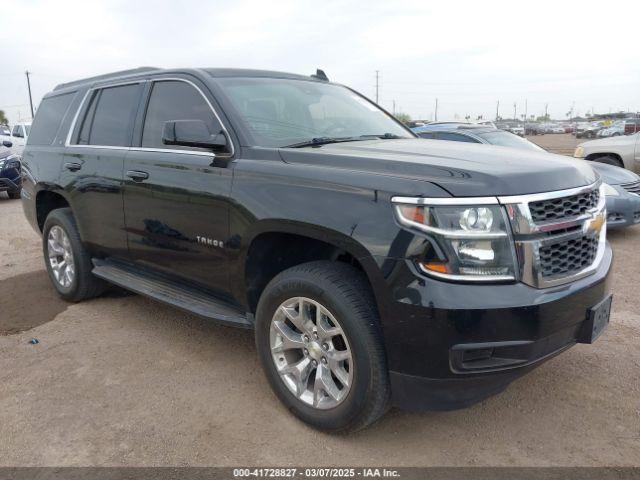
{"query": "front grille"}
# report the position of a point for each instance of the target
(632, 187)
(569, 257)
(564, 208)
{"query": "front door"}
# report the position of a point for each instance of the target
(175, 201)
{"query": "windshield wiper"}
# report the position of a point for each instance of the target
(323, 141)
(326, 140)
(383, 136)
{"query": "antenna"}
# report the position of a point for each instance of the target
(320, 75)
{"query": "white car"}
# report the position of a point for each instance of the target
(18, 136)
(621, 151)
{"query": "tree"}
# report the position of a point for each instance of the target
(3, 120)
(403, 117)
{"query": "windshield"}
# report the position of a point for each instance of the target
(279, 112)
(506, 139)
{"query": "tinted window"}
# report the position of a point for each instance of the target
(112, 116)
(173, 100)
(17, 131)
(48, 118)
(506, 139)
(427, 135)
(456, 137)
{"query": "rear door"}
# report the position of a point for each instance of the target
(94, 163)
(176, 200)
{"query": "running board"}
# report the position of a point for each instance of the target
(168, 291)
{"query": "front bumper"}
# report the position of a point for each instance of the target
(451, 345)
(623, 210)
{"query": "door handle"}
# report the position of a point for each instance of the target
(72, 166)
(137, 176)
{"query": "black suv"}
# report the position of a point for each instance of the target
(375, 268)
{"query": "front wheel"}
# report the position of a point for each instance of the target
(320, 345)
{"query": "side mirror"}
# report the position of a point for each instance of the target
(193, 133)
(7, 143)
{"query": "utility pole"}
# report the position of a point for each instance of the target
(515, 117)
(377, 85)
(546, 111)
(436, 115)
(497, 110)
(394, 108)
(29, 88)
(524, 125)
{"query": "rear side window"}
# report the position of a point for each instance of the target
(175, 100)
(47, 121)
(109, 116)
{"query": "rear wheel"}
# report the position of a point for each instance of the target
(319, 341)
(609, 161)
(68, 262)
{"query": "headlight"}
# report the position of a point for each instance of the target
(609, 191)
(12, 161)
(466, 242)
(579, 152)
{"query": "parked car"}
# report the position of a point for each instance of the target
(18, 136)
(621, 151)
(556, 129)
(622, 187)
(5, 130)
(517, 131)
(374, 267)
(588, 131)
(612, 131)
(632, 126)
(10, 171)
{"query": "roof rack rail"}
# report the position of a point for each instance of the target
(106, 76)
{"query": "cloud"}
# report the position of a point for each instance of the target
(467, 54)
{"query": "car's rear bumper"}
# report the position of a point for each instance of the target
(451, 345)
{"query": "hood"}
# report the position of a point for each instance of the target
(620, 140)
(614, 175)
(463, 169)
(4, 152)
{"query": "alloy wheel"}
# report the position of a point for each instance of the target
(311, 353)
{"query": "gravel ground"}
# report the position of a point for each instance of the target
(122, 380)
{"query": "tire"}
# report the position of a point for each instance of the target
(14, 194)
(345, 294)
(609, 161)
(83, 284)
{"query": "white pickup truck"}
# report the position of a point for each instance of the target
(18, 136)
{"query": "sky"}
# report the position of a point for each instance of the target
(469, 55)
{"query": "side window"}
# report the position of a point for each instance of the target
(175, 100)
(48, 118)
(456, 137)
(17, 131)
(109, 116)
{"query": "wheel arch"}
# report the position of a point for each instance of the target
(302, 242)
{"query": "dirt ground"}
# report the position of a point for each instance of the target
(564, 144)
(122, 380)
